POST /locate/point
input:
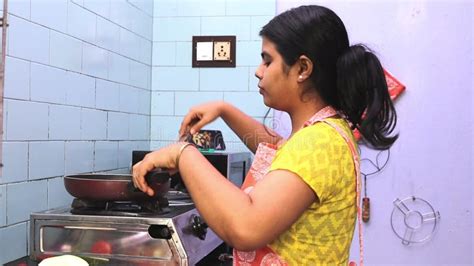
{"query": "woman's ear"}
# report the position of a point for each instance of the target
(305, 68)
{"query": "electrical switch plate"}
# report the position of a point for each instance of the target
(222, 51)
(213, 51)
(204, 51)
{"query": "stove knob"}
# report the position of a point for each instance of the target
(199, 227)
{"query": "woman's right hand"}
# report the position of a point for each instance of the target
(199, 116)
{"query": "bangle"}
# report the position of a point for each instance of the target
(181, 150)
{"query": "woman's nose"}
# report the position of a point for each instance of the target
(258, 73)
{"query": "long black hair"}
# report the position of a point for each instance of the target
(349, 78)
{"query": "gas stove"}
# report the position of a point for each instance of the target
(129, 235)
(165, 231)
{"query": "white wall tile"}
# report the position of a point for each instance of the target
(142, 5)
(175, 78)
(119, 13)
(81, 23)
(125, 153)
(239, 26)
(119, 68)
(144, 101)
(39, 44)
(3, 205)
(139, 74)
(164, 29)
(249, 53)
(165, 127)
(48, 84)
(105, 155)
(127, 40)
(50, 13)
(108, 35)
(256, 24)
(65, 52)
(185, 100)
(17, 78)
(101, 7)
(20, 8)
(148, 78)
(78, 2)
(80, 90)
(138, 127)
(14, 242)
(149, 29)
(93, 124)
(107, 95)
(164, 53)
(59, 41)
(46, 159)
(135, 46)
(26, 120)
(79, 157)
(128, 99)
(57, 193)
(25, 198)
(135, 17)
(218, 79)
(249, 7)
(64, 122)
(141, 145)
(18, 38)
(15, 162)
(143, 25)
(162, 103)
(165, 8)
(201, 8)
(94, 61)
(184, 54)
(117, 126)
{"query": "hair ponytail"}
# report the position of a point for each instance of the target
(350, 79)
(363, 96)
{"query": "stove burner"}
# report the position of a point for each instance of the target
(120, 208)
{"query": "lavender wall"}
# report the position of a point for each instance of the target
(428, 46)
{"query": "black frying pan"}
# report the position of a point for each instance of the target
(105, 187)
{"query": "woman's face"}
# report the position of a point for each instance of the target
(277, 82)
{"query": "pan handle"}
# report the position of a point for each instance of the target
(155, 176)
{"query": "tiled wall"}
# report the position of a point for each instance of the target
(79, 78)
(176, 86)
(77, 99)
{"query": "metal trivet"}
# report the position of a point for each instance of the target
(419, 220)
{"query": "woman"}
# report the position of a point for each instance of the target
(298, 203)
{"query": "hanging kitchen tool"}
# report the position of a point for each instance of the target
(414, 220)
(378, 167)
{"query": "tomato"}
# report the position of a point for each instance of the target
(101, 247)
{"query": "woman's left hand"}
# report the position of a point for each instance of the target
(162, 158)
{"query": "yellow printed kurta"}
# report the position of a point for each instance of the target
(322, 158)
